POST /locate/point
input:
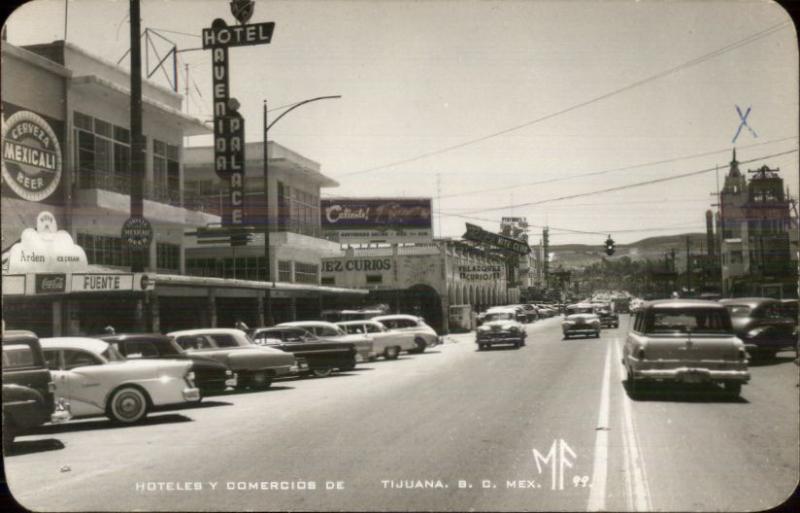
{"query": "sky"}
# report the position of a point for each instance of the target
(495, 108)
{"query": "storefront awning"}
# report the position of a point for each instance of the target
(228, 283)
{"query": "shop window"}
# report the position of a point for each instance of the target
(374, 279)
(328, 280)
(284, 271)
(306, 273)
(168, 256)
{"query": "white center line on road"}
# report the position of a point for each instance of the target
(635, 475)
(597, 495)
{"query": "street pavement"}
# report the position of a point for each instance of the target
(546, 427)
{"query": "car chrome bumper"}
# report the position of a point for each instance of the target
(283, 370)
(505, 339)
(581, 331)
(191, 394)
(693, 374)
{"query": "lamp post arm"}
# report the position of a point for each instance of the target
(290, 109)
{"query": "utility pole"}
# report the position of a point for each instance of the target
(139, 256)
(688, 266)
(268, 271)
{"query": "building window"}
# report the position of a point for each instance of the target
(166, 173)
(328, 280)
(247, 268)
(102, 250)
(102, 151)
(374, 279)
(168, 256)
(306, 273)
(284, 271)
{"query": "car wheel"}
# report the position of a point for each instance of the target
(391, 353)
(597, 334)
(733, 388)
(634, 386)
(421, 345)
(128, 405)
(322, 373)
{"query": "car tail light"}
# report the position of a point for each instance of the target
(189, 378)
(51, 387)
(742, 354)
(640, 353)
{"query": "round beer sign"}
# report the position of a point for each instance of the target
(137, 233)
(31, 156)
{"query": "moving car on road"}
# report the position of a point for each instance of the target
(255, 366)
(500, 326)
(608, 317)
(332, 332)
(315, 355)
(210, 375)
(28, 387)
(97, 380)
(762, 324)
(580, 319)
(385, 342)
(424, 335)
(690, 341)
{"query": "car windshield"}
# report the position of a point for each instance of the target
(738, 310)
(695, 320)
(499, 316)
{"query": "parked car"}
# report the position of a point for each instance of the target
(690, 341)
(608, 317)
(424, 335)
(332, 332)
(762, 324)
(500, 327)
(314, 355)
(28, 387)
(97, 380)
(385, 342)
(255, 366)
(580, 319)
(211, 376)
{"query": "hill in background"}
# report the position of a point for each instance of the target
(578, 256)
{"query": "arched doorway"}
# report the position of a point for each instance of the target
(424, 301)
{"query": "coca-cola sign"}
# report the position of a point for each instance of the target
(51, 283)
(364, 220)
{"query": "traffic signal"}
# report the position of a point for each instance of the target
(609, 246)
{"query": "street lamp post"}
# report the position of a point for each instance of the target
(268, 271)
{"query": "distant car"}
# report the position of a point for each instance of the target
(690, 341)
(530, 313)
(314, 355)
(762, 324)
(330, 331)
(580, 319)
(500, 327)
(97, 380)
(28, 387)
(211, 376)
(424, 335)
(255, 366)
(385, 342)
(608, 318)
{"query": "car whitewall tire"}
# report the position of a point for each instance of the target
(128, 405)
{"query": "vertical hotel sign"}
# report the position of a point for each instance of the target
(229, 158)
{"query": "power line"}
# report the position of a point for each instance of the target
(732, 46)
(176, 32)
(629, 186)
(612, 170)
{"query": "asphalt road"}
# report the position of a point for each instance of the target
(543, 428)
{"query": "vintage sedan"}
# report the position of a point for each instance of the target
(332, 332)
(608, 317)
(424, 335)
(314, 355)
(581, 319)
(385, 342)
(500, 327)
(28, 387)
(690, 341)
(255, 366)
(97, 380)
(762, 324)
(210, 375)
